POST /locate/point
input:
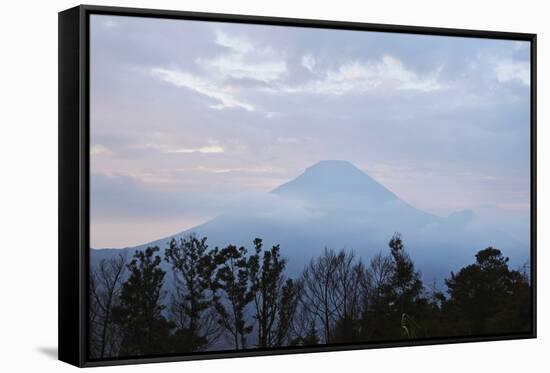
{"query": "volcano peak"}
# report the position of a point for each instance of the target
(334, 166)
(328, 179)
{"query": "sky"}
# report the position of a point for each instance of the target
(189, 119)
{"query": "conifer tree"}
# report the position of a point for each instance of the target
(395, 295)
(274, 296)
(288, 304)
(145, 331)
(488, 297)
(406, 283)
(232, 293)
(191, 309)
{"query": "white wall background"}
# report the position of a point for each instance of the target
(28, 184)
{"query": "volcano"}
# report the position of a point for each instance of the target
(334, 204)
(330, 180)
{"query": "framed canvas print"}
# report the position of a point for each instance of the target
(234, 186)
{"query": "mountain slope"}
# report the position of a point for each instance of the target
(334, 204)
(330, 179)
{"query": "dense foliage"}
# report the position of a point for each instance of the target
(228, 298)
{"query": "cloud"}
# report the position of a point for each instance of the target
(212, 147)
(509, 70)
(521, 45)
(253, 170)
(245, 60)
(309, 62)
(287, 97)
(287, 140)
(236, 44)
(98, 149)
(234, 66)
(387, 72)
(131, 196)
(110, 24)
(222, 93)
(240, 60)
(204, 149)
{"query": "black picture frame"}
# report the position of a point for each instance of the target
(74, 185)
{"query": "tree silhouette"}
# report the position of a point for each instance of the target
(145, 331)
(310, 338)
(105, 287)
(350, 281)
(487, 297)
(303, 325)
(405, 283)
(395, 301)
(376, 308)
(337, 299)
(288, 305)
(405, 287)
(231, 280)
(320, 297)
(191, 308)
(274, 296)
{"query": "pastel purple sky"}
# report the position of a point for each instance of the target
(188, 119)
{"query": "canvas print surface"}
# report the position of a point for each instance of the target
(264, 187)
